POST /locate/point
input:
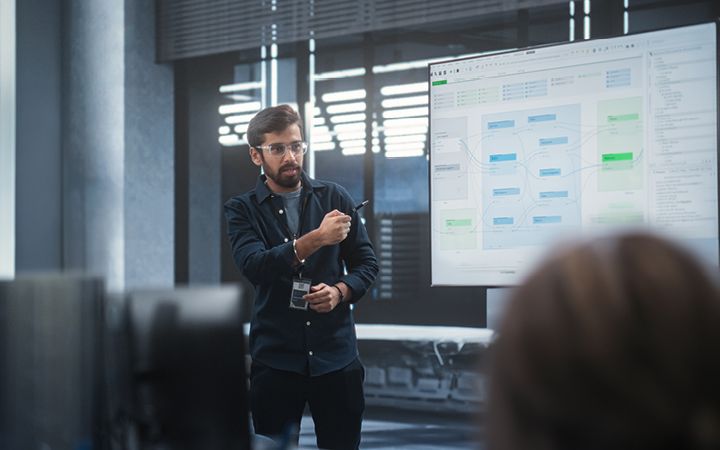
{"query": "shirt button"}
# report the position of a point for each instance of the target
(280, 211)
(286, 239)
(307, 323)
(310, 353)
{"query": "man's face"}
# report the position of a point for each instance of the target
(283, 172)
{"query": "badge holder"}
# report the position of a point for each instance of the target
(300, 287)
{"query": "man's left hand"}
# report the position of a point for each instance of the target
(322, 298)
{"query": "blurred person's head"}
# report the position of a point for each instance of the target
(613, 344)
(276, 144)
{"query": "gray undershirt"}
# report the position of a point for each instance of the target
(291, 200)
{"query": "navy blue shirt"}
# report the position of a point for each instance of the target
(295, 340)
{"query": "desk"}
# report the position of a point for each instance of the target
(424, 367)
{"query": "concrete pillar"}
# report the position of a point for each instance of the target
(117, 145)
(39, 137)
(149, 154)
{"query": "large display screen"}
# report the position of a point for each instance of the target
(538, 145)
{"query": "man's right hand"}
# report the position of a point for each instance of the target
(334, 228)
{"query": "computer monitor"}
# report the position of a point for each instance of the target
(186, 352)
(537, 145)
(51, 361)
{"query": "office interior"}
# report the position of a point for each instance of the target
(121, 135)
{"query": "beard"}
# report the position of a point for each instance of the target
(283, 178)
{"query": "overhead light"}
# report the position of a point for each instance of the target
(353, 143)
(325, 137)
(230, 140)
(405, 101)
(404, 153)
(322, 146)
(376, 141)
(400, 89)
(242, 128)
(239, 97)
(350, 135)
(239, 108)
(224, 129)
(344, 118)
(318, 120)
(403, 130)
(243, 118)
(321, 129)
(347, 73)
(397, 67)
(376, 149)
(405, 112)
(353, 151)
(344, 96)
(403, 146)
(346, 108)
(355, 126)
(248, 85)
(410, 122)
(407, 138)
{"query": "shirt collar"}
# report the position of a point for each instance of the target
(263, 192)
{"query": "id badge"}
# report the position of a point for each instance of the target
(300, 287)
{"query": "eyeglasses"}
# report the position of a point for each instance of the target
(298, 148)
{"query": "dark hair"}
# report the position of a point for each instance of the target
(613, 344)
(274, 119)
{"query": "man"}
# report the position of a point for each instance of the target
(301, 244)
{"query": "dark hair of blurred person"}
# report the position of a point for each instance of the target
(612, 344)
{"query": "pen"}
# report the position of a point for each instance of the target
(355, 209)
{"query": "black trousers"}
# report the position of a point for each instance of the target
(336, 401)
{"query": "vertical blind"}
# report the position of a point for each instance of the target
(190, 28)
